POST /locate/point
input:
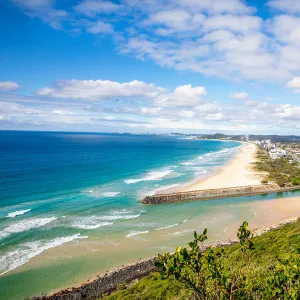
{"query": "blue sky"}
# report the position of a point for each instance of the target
(151, 66)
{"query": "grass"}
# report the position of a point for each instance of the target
(277, 244)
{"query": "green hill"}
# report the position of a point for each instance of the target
(270, 249)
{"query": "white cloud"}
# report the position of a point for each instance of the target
(218, 6)
(290, 6)
(99, 89)
(100, 27)
(233, 23)
(151, 110)
(215, 117)
(239, 96)
(212, 37)
(294, 84)
(9, 86)
(93, 7)
(286, 28)
(183, 96)
(289, 112)
(256, 104)
(187, 114)
(63, 112)
(43, 9)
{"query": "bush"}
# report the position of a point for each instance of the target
(206, 275)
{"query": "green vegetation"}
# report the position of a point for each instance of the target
(264, 267)
(280, 170)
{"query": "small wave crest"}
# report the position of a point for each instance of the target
(217, 154)
(183, 232)
(25, 225)
(95, 226)
(188, 163)
(134, 233)
(150, 176)
(27, 251)
(110, 194)
(95, 222)
(18, 213)
(166, 227)
(118, 217)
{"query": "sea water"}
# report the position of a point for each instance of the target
(70, 203)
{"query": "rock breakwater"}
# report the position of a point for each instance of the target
(217, 193)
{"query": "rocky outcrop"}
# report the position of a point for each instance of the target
(106, 284)
(216, 193)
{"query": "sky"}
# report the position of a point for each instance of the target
(158, 66)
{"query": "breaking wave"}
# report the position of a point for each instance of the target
(25, 225)
(166, 227)
(134, 233)
(18, 213)
(110, 194)
(27, 251)
(150, 176)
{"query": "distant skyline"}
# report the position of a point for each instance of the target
(189, 66)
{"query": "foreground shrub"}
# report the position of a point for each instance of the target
(204, 273)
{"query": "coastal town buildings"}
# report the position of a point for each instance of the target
(280, 150)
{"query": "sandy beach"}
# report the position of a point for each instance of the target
(238, 172)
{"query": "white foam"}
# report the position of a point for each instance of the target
(162, 188)
(25, 225)
(183, 232)
(184, 221)
(166, 227)
(134, 233)
(118, 217)
(95, 226)
(27, 251)
(187, 163)
(217, 153)
(91, 222)
(130, 181)
(150, 176)
(18, 213)
(110, 194)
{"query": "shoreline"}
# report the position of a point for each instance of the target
(136, 270)
(237, 172)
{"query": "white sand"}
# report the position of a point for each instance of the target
(238, 172)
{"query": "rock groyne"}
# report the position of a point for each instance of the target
(217, 193)
(104, 285)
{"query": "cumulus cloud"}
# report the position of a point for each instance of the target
(239, 96)
(289, 112)
(294, 84)
(289, 6)
(183, 96)
(99, 89)
(9, 86)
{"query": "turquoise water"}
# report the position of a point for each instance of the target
(70, 203)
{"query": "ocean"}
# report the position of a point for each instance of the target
(69, 203)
